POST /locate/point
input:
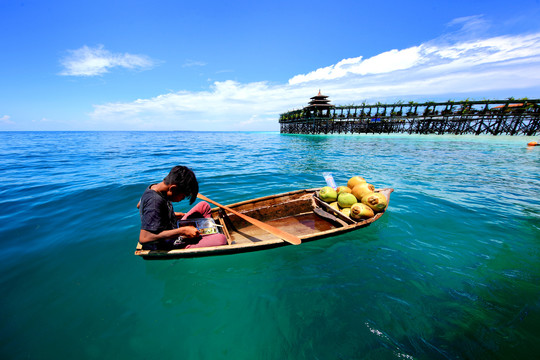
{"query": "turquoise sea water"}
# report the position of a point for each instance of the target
(451, 271)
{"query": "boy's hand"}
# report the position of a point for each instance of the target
(189, 232)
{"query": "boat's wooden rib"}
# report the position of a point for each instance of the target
(300, 213)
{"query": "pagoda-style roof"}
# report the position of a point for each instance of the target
(320, 101)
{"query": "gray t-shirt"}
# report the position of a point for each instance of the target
(157, 213)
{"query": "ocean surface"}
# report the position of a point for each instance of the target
(451, 271)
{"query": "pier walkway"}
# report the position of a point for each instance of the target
(494, 117)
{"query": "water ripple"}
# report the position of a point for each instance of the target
(451, 270)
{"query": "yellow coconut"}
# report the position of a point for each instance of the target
(341, 189)
(334, 205)
(346, 211)
(376, 201)
(362, 189)
(361, 211)
(355, 180)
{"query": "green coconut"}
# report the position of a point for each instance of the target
(328, 194)
(376, 201)
(346, 200)
(361, 211)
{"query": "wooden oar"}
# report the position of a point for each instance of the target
(272, 230)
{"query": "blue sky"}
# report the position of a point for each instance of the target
(217, 65)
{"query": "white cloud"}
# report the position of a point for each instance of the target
(383, 63)
(88, 61)
(428, 57)
(227, 102)
(6, 120)
(431, 70)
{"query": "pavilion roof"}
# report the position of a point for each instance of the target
(320, 101)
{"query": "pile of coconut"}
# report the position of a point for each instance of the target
(358, 200)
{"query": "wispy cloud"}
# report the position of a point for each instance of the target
(481, 67)
(42, 120)
(88, 61)
(6, 120)
(468, 27)
(193, 63)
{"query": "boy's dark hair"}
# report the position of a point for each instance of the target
(185, 181)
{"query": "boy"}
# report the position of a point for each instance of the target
(159, 227)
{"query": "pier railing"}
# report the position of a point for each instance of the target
(495, 117)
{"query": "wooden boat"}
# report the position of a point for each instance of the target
(300, 213)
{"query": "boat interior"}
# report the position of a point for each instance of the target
(301, 214)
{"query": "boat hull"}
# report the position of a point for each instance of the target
(299, 212)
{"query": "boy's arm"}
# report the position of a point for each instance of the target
(146, 236)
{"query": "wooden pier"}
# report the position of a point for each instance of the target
(493, 117)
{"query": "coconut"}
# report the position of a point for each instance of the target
(346, 211)
(361, 211)
(346, 200)
(334, 205)
(355, 180)
(376, 201)
(362, 189)
(327, 194)
(341, 189)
